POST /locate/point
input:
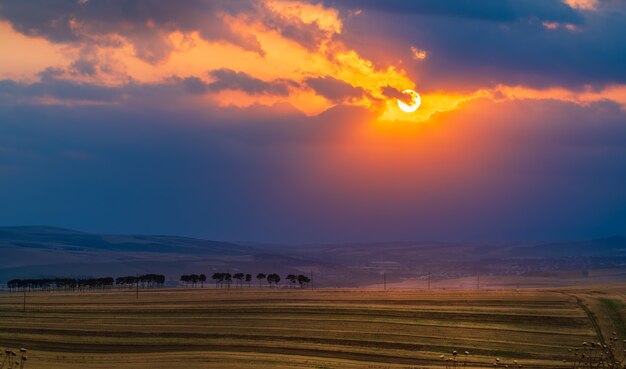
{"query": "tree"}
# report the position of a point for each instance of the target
(273, 279)
(303, 280)
(218, 278)
(160, 280)
(292, 278)
(260, 277)
(248, 279)
(202, 279)
(228, 278)
(194, 278)
(84, 284)
(239, 277)
(185, 279)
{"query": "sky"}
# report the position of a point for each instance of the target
(278, 121)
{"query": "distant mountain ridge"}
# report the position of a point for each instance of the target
(53, 237)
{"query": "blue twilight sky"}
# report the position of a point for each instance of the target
(277, 121)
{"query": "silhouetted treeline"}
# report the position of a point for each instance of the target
(300, 279)
(66, 284)
(144, 281)
(82, 284)
(193, 279)
(224, 280)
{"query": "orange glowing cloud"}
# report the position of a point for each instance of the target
(18, 61)
(582, 4)
(296, 39)
(283, 58)
(326, 19)
(614, 93)
(294, 42)
(432, 103)
(439, 102)
(418, 54)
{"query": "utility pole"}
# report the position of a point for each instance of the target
(137, 289)
(385, 281)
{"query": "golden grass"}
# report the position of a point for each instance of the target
(207, 328)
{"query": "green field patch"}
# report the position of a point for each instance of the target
(614, 309)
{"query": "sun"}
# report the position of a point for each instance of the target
(416, 100)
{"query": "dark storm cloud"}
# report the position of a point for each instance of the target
(334, 89)
(58, 88)
(308, 35)
(85, 66)
(147, 23)
(195, 85)
(144, 23)
(53, 84)
(522, 50)
(490, 10)
(394, 93)
(89, 63)
(228, 79)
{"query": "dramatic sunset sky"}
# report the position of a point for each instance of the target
(277, 121)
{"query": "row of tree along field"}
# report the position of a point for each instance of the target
(222, 280)
(82, 284)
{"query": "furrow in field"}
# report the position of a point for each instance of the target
(147, 344)
(574, 326)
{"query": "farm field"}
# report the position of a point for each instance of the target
(327, 328)
(552, 279)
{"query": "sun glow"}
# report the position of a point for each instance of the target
(416, 100)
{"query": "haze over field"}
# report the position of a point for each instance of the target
(35, 252)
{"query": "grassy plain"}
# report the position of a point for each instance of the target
(322, 329)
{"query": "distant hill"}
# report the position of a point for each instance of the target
(614, 246)
(47, 251)
(50, 238)
(39, 251)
